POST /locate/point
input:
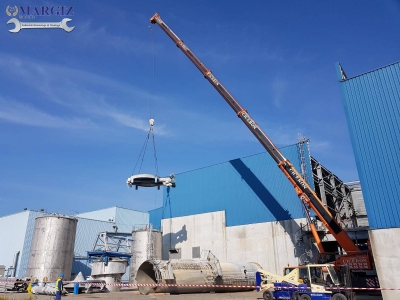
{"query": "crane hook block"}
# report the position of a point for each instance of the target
(151, 121)
(149, 180)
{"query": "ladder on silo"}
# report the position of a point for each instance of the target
(213, 262)
(150, 242)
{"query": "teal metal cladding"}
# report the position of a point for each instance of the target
(250, 190)
(372, 106)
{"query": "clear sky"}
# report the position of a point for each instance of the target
(74, 107)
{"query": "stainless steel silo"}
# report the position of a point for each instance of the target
(52, 248)
(147, 245)
(195, 276)
(111, 272)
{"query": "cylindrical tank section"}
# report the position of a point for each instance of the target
(52, 248)
(195, 272)
(111, 272)
(147, 245)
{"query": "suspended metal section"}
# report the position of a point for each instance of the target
(149, 180)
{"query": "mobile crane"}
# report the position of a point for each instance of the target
(317, 282)
(357, 259)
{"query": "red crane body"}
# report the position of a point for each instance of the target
(303, 190)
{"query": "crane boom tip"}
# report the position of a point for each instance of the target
(153, 18)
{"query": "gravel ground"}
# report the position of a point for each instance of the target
(134, 295)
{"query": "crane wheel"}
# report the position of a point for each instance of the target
(305, 297)
(339, 296)
(295, 296)
(267, 295)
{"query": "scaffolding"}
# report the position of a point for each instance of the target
(111, 245)
(119, 242)
(334, 194)
(301, 142)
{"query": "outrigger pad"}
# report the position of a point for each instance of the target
(149, 180)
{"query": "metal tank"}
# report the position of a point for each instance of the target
(111, 272)
(52, 248)
(195, 272)
(147, 245)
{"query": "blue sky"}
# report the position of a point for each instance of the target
(74, 107)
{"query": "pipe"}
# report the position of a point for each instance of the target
(15, 263)
(195, 272)
(44, 289)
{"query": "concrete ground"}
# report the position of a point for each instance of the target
(134, 295)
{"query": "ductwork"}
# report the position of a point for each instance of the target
(15, 263)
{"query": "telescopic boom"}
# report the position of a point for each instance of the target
(303, 190)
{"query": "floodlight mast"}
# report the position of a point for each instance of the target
(303, 190)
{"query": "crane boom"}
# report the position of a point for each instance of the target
(303, 190)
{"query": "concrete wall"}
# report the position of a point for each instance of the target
(387, 259)
(270, 244)
(206, 230)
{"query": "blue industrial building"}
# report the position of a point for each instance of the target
(250, 190)
(372, 106)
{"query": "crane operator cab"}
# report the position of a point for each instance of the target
(315, 275)
(323, 276)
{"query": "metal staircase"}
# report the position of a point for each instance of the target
(306, 257)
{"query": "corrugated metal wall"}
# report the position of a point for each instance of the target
(156, 215)
(86, 235)
(30, 226)
(372, 106)
(358, 202)
(126, 219)
(250, 190)
(12, 238)
(105, 214)
(23, 224)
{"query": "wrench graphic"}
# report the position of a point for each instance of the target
(23, 25)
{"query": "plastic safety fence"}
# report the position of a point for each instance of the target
(216, 286)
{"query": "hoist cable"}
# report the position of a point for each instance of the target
(153, 64)
(152, 45)
(155, 155)
(142, 154)
(143, 150)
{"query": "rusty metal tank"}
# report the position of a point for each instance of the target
(52, 248)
